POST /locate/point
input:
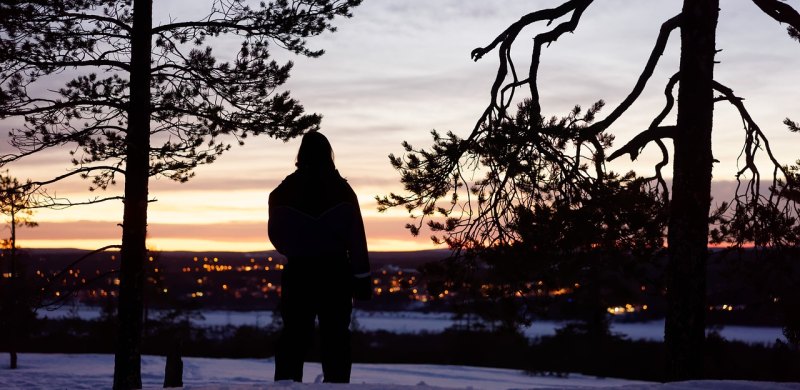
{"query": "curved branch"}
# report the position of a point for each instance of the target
(634, 146)
(548, 38)
(507, 37)
(100, 18)
(670, 100)
(737, 102)
(783, 13)
(76, 172)
(631, 146)
(661, 164)
(533, 17)
(48, 287)
(647, 72)
(84, 257)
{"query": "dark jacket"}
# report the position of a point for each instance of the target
(315, 213)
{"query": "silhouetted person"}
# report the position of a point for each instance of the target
(314, 220)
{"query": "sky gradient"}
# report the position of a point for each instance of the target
(400, 68)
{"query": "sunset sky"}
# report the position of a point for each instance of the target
(400, 68)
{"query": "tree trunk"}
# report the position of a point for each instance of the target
(173, 371)
(127, 363)
(13, 240)
(691, 193)
(14, 285)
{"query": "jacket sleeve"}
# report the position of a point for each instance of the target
(278, 233)
(357, 245)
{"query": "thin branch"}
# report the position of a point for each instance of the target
(64, 64)
(781, 12)
(203, 25)
(78, 171)
(507, 37)
(57, 105)
(100, 18)
(56, 303)
(548, 38)
(84, 257)
(634, 146)
(658, 51)
(661, 164)
(737, 102)
(65, 203)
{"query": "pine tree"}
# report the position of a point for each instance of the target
(16, 308)
(148, 100)
(547, 164)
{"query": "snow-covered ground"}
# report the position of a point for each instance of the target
(415, 322)
(91, 371)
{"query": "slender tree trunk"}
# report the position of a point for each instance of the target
(14, 284)
(127, 364)
(691, 193)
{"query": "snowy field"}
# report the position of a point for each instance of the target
(415, 322)
(91, 371)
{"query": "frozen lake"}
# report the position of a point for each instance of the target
(415, 322)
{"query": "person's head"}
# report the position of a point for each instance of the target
(315, 152)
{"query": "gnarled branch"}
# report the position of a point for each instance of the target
(635, 145)
(647, 72)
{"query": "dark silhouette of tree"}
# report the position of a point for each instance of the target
(510, 153)
(16, 309)
(148, 100)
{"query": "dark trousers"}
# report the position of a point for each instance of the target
(315, 288)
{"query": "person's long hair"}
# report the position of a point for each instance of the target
(315, 152)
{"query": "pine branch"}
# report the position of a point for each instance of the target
(55, 105)
(782, 13)
(74, 64)
(79, 171)
(99, 18)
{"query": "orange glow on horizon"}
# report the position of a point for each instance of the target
(379, 245)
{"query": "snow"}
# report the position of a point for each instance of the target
(94, 371)
(416, 322)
